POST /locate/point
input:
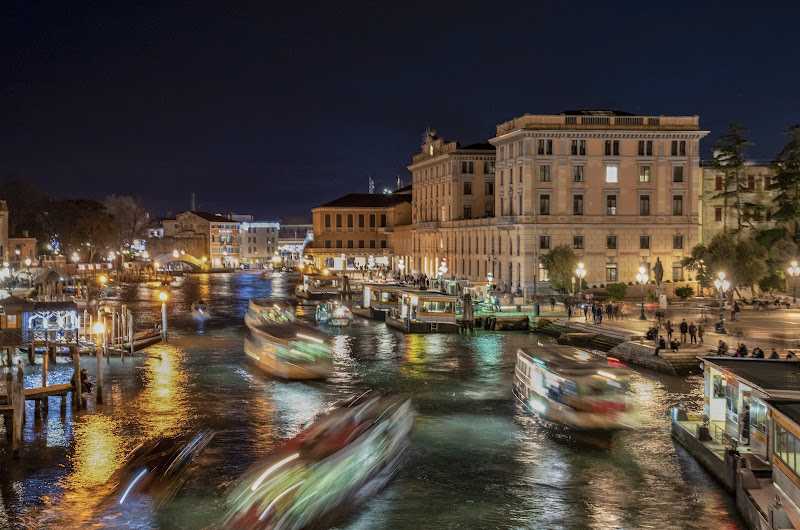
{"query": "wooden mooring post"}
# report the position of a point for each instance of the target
(17, 397)
(100, 351)
(77, 398)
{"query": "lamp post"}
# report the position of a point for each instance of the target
(163, 297)
(28, 266)
(400, 266)
(794, 272)
(722, 285)
(642, 278)
(100, 330)
(580, 272)
(442, 269)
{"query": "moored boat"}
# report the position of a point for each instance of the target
(567, 387)
(282, 346)
(349, 453)
(334, 314)
(200, 310)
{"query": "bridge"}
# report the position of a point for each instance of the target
(195, 263)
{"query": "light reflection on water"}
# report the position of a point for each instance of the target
(476, 459)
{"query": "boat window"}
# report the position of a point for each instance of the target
(732, 400)
(719, 389)
(758, 416)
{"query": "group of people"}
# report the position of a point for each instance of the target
(690, 332)
(597, 310)
(757, 353)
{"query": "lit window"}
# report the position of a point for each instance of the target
(611, 174)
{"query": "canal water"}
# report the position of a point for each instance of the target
(476, 459)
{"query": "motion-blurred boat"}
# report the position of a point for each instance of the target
(200, 310)
(157, 468)
(282, 346)
(569, 388)
(333, 313)
(348, 454)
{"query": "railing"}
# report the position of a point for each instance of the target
(679, 123)
(12, 337)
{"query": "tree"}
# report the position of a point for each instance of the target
(684, 292)
(740, 256)
(787, 182)
(616, 291)
(130, 219)
(82, 226)
(27, 208)
(697, 261)
(729, 159)
(560, 264)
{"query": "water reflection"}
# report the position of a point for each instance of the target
(162, 401)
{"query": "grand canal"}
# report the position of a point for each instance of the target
(475, 461)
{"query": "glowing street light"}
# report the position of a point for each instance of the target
(580, 272)
(642, 279)
(722, 285)
(442, 269)
(163, 297)
(174, 253)
(794, 272)
(401, 265)
(75, 257)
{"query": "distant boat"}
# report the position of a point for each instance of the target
(334, 314)
(567, 387)
(282, 346)
(200, 310)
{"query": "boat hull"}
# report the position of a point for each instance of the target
(266, 356)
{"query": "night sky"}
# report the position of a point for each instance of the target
(273, 108)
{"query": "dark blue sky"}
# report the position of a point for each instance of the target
(273, 110)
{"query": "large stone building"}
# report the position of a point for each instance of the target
(260, 244)
(202, 235)
(620, 190)
(350, 229)
(756, 200)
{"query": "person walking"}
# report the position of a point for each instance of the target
(585, 313)
(736, 310)
(668, 329)
(684, 327)
(692, 333)
(700, 332)
(552, 303)
(569, 311)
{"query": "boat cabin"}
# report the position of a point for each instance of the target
(319, 286)
(737, 396)
(380, 296)
(427, 306)
(25, 321)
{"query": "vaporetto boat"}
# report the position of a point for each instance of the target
(568, 387)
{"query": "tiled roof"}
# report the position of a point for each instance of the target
(367, 200)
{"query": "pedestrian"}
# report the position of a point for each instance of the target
(552, 303)
(661, 345)
(569, 311)
(758, 353)
(790, 355)
(700, 332)
(736, 310)
(746, 426)
(684, 327)
(774, 354)
(668, 328)
(673, 344)
(741, 351)
(722, 348)
(693, 333)
(585, 313)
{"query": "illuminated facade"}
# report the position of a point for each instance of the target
(260, 243)
(221, 238)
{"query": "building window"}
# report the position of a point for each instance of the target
(519, 211)
(467, 188)
(489, 188)
(543, 273)
(327, 243)
(338, 220)
(510, 150)
(577, 174)
(349, 220)
(612, 147)
(751, 182)
(349, 243)
(489, 209)
(383, 243)
(611, 204)
(467, 167)
(502, 210)
(361, 220)
(718, 213)
(718, 183)
(677, 272)
(645, 147)
(383, 220)
(467, 212)
(501, 177)
(577, 205)
(678, 148)
(611, 272)
(371, 243)
(511, 175)
(644, 205)
(544, 204)
(611, 242)
(488, 168)
(767, 183)
(327, 220)
(677, 242)
(545, 147)
(577, 242)
(644, 173)
(578, 147)
(612, 176)
(677, 174)
(360, 243)
(338, 243)
(644, 242)
(677, 205)
(520, 174)
(372, 220)
(544, 242)
(544, 173)
(758, 420)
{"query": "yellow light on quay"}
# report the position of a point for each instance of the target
(162, 296)
(98, 328)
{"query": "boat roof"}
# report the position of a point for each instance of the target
(431, 295)
(566, 360)
(283, 305)
(384, 286)
(789, 408)
(769, 375)
(290, 330)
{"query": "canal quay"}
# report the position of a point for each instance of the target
(476, 459)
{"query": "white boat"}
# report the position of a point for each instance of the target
(334, 314)
(282, 346)
(569, 388)
(200, 310)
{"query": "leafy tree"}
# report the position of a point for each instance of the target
(130, 219)
(740, 256)
(697, 262)
(775, 282)
(729, 159)
(684, 292)
(27, 208)
(82, 226)
(560, 264)
(616, 291)
(787, 182)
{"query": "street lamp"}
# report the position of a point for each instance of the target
(28, 265)
(401, 265)
(642, 278)
(722, 285)
(163, 297)
(99, 329)
(442, 269)
(794, 272)
(580, 272)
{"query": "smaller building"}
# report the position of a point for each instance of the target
(20, 249)
(259, 244)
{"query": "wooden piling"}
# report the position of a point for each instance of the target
(45, 362)
(77, 390)
(9, 421)
(31, 354)
(18, 402)
(100, 352)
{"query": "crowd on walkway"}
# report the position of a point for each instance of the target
(741, 351)
(689, 332)
(595, 311)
